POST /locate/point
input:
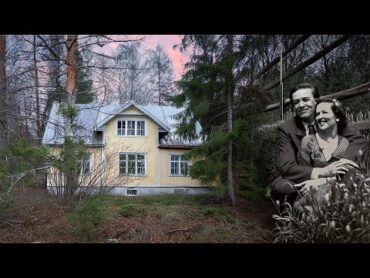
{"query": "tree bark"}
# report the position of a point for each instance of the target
(71, 175)
(39, 130)
(230, 93)
(71, 78)
(3, 95)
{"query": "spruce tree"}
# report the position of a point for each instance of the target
(207, 93)
(84, 92)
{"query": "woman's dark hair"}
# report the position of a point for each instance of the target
(338, 111)
(305, 85)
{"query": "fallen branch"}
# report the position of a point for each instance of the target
(19, 177)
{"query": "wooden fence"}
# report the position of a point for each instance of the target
(360, 121)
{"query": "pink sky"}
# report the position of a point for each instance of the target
(167, 42)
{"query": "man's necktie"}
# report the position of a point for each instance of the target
(311, 129)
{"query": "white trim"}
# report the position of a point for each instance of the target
(81, 162)
(169, 166)
(147, 113)
(158, 161)
(131, 175)
(126, 120)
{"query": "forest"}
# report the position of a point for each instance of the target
(228, 83)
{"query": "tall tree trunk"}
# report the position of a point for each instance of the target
(230, 179)
(71, 77)
(230, 94)
(39, 130)
(71, 175)
(3, 95)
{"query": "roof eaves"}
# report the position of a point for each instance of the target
(160, 123)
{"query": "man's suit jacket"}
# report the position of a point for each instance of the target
(291, 133)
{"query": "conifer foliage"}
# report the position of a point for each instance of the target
(210, 94)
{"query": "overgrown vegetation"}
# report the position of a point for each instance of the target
(87, 218)
(34, 216)
(344, 216)
(22, 163)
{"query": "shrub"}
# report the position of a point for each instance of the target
(268, 153)
(344, 216)
(22, 163)
(87, 218)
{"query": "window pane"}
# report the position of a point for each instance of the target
(122, 156)
(175, 168)
(120, 127)
(131, 167)
(140, 128)
(83, 167)
(140, 168)
(140, 157)
(184, 168)
(173, 171)
(131, 157)
(130, 127)
(122, 164)
(86, 166)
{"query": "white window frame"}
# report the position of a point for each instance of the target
(136, 164)
(125, 129)
(179, 165)
(131, 192)
(82, 165)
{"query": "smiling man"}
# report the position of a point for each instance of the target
(304, 98)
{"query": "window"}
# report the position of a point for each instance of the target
(140, 130)
(131, 192)
(130, 128)
(132, 164)
(84, 167)
(179, 166)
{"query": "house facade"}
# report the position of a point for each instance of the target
(132, 148)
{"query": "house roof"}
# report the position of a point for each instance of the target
(92, 117)
(158, 114)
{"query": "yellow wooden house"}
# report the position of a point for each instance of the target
(133, 149)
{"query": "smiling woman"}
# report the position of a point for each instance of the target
(325, 150)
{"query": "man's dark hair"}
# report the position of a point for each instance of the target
(338, 110)
(305, 85)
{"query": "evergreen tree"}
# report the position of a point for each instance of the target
(208, 89)
(84, 92)
(56, 91)
(212, 95)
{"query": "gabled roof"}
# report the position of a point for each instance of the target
(158, 114)
(92, 117)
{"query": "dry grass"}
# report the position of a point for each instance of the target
(31, 215)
